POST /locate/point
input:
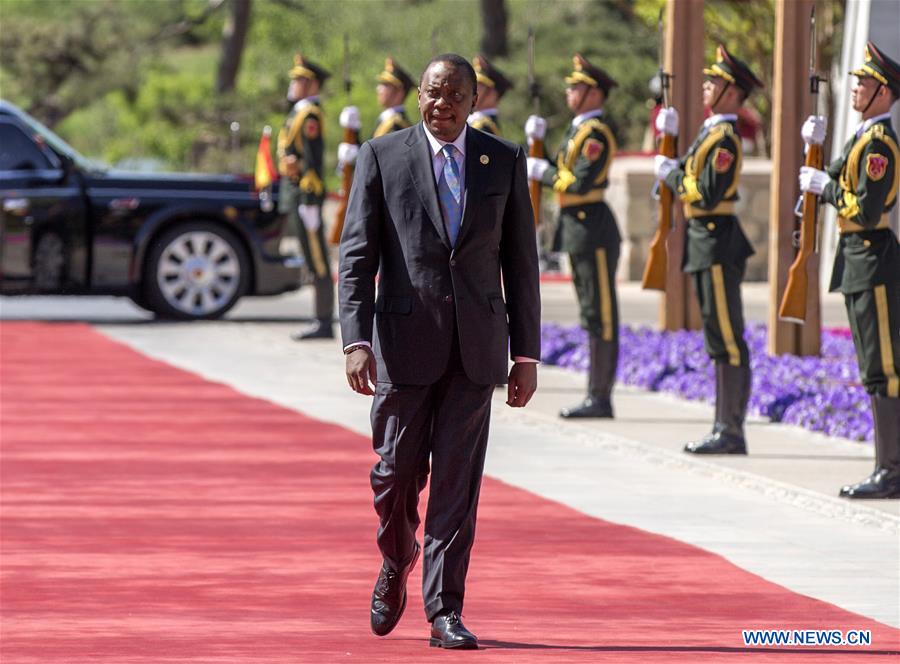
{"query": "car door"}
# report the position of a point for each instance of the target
(43, 224)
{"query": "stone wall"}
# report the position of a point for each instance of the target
(631, 180)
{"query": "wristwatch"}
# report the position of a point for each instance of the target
(352, 347)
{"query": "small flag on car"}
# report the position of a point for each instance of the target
(265, 172)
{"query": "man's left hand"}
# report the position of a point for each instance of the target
(813, 180)
(662, 166)
(310, 216)
(522, 384)
(536, 168)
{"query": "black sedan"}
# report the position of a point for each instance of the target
(183, 246)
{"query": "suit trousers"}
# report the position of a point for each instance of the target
(447, 422)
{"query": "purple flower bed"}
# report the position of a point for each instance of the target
(817, 393)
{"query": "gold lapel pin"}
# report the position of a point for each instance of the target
(484, 159)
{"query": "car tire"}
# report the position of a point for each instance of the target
(195, 271)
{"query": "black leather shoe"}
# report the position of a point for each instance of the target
(718, 443)
(389, 597)
(447, 631)
(590, 407)
(883, 483)
(318, 330)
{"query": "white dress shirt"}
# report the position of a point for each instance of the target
(438, 159)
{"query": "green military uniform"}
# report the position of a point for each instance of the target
(301, 138)
(863, 189)
(589, 234)
(716, 251)
(393, 119)
(487, 75)
(486, 120)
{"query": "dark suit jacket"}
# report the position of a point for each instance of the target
(394, 228)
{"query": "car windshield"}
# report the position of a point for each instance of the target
(59, 145)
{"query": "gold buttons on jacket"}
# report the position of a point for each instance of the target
(711, 226)
(867, 243)
(582, 215)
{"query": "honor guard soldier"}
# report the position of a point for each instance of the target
(589, 234)
(394, 84)
(716, 251)
(862, 185)
(491, 87)
(302, 189)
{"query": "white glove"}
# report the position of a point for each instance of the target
(813, 180)
(309, 215)
(667, 121)
(349, 118)
(662, 166)
(347, 153)
(535, 128)
(813, 130)
(536, 168)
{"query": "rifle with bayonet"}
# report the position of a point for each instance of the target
(656, 268)
(793, 302)
(536, 145)
(350, 136)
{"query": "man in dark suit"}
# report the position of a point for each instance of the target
(440, 212)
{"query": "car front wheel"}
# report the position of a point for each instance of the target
(195, 271)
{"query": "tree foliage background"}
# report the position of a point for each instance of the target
(144, 78)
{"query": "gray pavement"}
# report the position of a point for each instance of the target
(773, 513)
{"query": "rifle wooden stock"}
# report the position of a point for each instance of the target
(656, 267)
(793, 301)
(350, 136)
(536, 149)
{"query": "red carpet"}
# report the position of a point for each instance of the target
(151, 516)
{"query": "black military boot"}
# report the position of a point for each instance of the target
(735, 393)
(717, 423)
(319, 329)
(885, 481)
(604, 357)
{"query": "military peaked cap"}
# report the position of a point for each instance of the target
(733, 70)
(487, 74)
(584, 72)
(880, 67)
(306, 68)
(394, 74)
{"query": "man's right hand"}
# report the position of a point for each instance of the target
(349, 118)
(292, 166)
(667, 121)
(813, 130)
(361, 368)
(535, 128)
(535, 168)
(347, 153)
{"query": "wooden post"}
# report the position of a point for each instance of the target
(791, 104)
(684, 26)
